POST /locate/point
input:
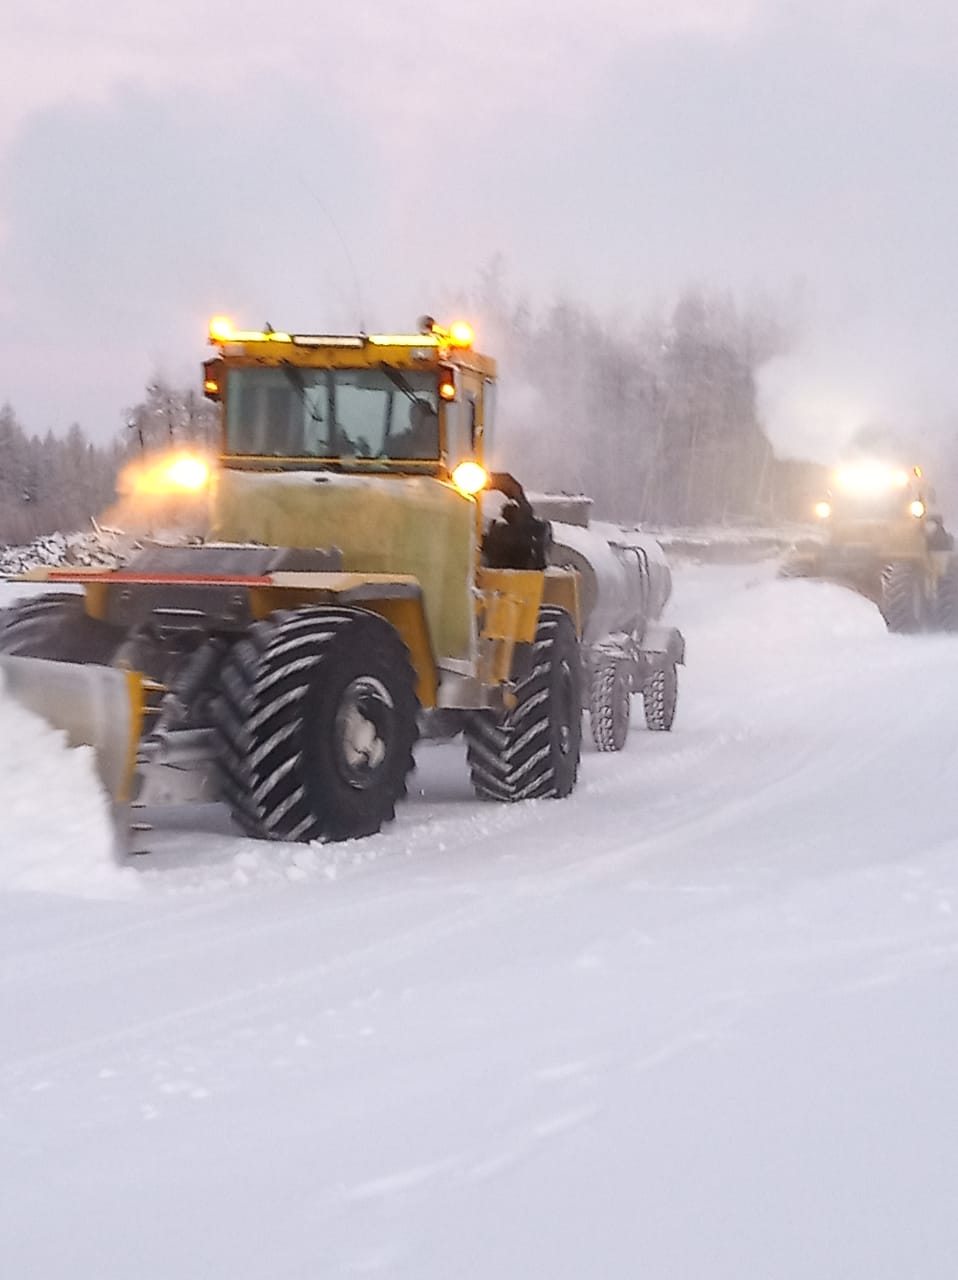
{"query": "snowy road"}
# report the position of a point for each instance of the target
(696, 1021)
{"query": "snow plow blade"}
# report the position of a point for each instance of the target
(98, 707)
(858, 568)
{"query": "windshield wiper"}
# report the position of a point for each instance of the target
(397, 379)
(296, 378)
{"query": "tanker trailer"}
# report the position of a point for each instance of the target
(624, 585)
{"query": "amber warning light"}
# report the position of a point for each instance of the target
(460, 334)
(221, 329)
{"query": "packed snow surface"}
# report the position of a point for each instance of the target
(695, 1021)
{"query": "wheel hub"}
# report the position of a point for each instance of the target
(364, 723)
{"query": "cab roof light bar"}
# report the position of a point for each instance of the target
(459, 335)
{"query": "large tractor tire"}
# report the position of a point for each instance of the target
(56, 626)
(660, 695)
(610, 705)
(946, 598)
(533, 750)
(317, 717)
(902, 597)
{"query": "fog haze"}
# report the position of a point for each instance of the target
(161, 165)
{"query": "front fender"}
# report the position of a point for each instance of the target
(660, 639)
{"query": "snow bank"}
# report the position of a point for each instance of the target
(750, 618)
(96, 548)
(56, 831)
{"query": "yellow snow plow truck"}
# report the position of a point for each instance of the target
(349, 599)
(881, 538)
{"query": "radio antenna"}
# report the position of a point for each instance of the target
(354, 274)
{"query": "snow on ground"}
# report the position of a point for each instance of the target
(695, 1021)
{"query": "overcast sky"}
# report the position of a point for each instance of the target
(161, 161)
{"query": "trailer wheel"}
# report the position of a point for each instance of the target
(56, 626)
(902, 597)
(317, 719)
(533, 750)
(660, 695)
(946, 598)
(610, 705)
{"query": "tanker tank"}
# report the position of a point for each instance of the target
(624, 586)
(624, 583)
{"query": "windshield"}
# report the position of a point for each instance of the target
(292, 412)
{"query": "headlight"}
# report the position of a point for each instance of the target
(469, 478)
(187, 472)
